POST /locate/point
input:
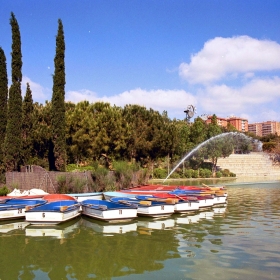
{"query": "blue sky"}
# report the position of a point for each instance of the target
(221, 56)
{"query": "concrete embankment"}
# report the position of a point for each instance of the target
(257, 164)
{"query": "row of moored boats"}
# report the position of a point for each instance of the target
(118, 206)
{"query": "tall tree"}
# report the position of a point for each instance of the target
(27, 126)
(12, 144)
(41, 134)
(58, 147)
(213, 128)
(3, 103)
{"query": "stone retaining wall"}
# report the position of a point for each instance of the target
(252, 164)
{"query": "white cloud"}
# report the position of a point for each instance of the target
(270, 115)
(39, 93)
(221, 57)
(81, 95)
(254, 98)
(173, 101)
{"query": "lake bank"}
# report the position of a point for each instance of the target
(215, 181)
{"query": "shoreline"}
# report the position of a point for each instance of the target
(222, 180)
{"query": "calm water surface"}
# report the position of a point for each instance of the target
(239, 241)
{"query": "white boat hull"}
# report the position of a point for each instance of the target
(220, 200)
(205, 203)
(17, 213)
(185, 207)
(51, 217)
(163, 210)
(110, 215)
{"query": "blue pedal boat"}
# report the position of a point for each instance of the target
(16, 208)
(53, 213)
(148, 206)
(108, 211)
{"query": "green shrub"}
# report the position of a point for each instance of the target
(232, 174)
(78, 185)
(61, 182)
(188, 173)
(201, 173)
(208, 173)
(101, 180)
(124, 173)
(160, 173)
(175, 175)
(195, 174)
(225, 173)
(219, 174)
(4, 191)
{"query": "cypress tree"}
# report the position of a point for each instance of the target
(12, 144)
(27, 125)
(58, 143)
(3, 105)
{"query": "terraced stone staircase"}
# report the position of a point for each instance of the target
(250, 165)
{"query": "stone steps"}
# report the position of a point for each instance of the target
(253, 164)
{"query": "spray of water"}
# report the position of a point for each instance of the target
(258, 143)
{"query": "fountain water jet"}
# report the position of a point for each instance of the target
(207, 141)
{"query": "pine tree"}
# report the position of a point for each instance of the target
(12, 144)
(27, 125)
(58, 161)
(3, 102)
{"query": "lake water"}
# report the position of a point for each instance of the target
(239, 241)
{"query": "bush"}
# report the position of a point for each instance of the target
(78, 185)
(202, 173)
(160, 173)
(100, 179)
(195, 174)
(175, 175)
(124, 173)
(226, 173)
(208, 173)
(219, 174)
(189, 173)
(4, 191)
(61, 182)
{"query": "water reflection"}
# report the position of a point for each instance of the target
(11, 226)
(108, 228)
(147, 225)
(65, 230)
(187, 219)
(239, 240)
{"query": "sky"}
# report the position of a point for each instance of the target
(221, 56)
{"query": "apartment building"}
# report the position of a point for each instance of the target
(264, 128)
(239, 123)
(242, 125)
